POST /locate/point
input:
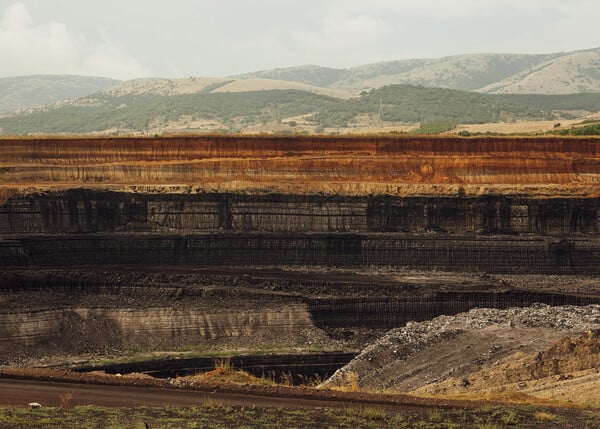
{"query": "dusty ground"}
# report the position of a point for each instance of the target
(73, 400)
(76, 405)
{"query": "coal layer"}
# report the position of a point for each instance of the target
(491, 234)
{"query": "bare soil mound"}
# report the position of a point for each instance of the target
(449, 350)
(568, 370)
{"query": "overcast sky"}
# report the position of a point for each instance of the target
(126, 39)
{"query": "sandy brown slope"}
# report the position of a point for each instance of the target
(568, 370)
(461, 354)
(246, 85)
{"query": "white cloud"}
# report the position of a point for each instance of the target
(340, 39)
(50, 48)
(446, 9)
(192, 37)
(339, 32)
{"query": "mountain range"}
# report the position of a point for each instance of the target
(561, 73)
(310, 91)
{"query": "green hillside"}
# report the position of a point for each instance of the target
(234, 111)
(310, 75)
(135, 112)
(407, 103)
(589, 102)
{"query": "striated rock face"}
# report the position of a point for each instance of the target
(149, 326)
(97, 330)
(495, 254)
(49, 311)
(306, 165)
(331, 313)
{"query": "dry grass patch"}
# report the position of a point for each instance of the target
(349, 383)
(225, 371)
(542, 416)
(65, 400)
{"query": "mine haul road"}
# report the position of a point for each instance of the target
(20, 392)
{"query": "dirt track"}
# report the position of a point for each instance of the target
(20, 392)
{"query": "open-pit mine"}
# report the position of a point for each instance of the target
(409, 249)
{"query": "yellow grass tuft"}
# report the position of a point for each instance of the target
(65, 400)
(542, 416)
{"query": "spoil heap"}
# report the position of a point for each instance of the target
(466, 353)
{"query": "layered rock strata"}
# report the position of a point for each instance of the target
(482, 205)
(305, 165)
(91, 310)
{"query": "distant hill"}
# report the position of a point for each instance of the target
(559, 73)
(193, 85)
(463, 72)
(416, 104)
(570, 73)
(162, 86)
(115, 111)
(29, 91)
(310, 75)
(138, 113)
(257, 84)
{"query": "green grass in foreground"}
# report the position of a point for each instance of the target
(211, 415)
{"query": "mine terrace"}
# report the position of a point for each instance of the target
(416, 247)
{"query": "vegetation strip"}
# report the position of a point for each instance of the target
(439, 108)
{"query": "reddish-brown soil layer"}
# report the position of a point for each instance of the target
(303, 165)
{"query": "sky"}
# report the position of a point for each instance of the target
(126, 39)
